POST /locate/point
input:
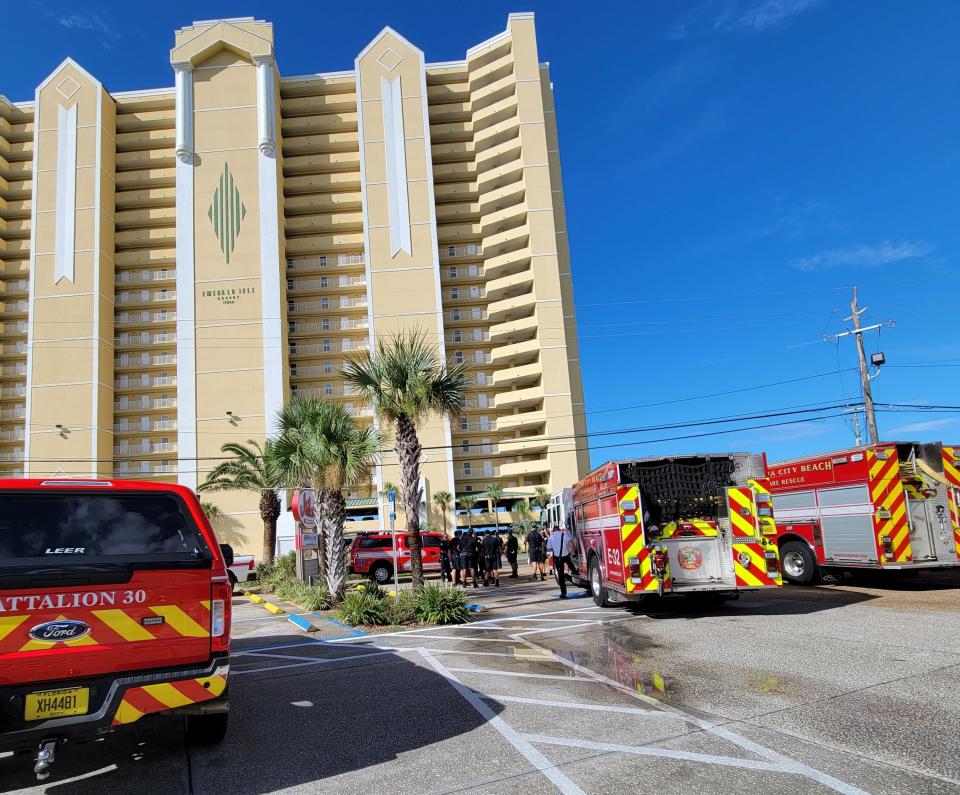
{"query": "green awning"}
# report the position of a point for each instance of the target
(363, 502)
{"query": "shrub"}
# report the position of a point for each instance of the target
(401, 610)
(437, 604)
(309, 597)
(372, 589)
(358, 607)
(284, 567)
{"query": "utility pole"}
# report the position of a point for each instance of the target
(877, 359)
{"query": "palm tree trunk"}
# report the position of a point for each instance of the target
(322, 508)
(269, 513)
(336, 560)
(408, 450)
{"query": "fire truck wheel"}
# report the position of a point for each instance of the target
(798, 563)
(597, 591)
(381, 572)
(207, 729)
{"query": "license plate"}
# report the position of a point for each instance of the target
(57, 703)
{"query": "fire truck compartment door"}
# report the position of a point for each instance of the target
(921, 529)
(694, 560)
(849, 538)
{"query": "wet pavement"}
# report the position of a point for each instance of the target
(824, 690)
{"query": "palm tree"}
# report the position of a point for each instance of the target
(541, 496)
(251, 469)
(321, 445)
(494, 493)
(468, 502)
(406, 381)
(442, 499)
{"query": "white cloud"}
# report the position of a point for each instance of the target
(919, 427)
(739, 16)
(82, 21)
(864, 256)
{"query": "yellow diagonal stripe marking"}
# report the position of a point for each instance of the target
(217, 684)
(35, 645)
(167, 694)
(123, 625)
(740, 497)
(9, 623)
(180, 621)
(127, 713)
(742, 522)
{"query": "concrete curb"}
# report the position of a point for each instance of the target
(270, 607)
(302, 623)
(352, 630)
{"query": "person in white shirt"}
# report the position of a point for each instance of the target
(560, 545)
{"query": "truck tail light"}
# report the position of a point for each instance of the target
(773, 566)
(250, 565)
(634, 564)
(887, 547)
(220, 616)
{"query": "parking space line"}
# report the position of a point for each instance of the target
(535, 757)
(648, 750)
(649, 713)
(324, 661)
(523, 674)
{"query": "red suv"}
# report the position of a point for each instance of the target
(114, 606)
(372, 554)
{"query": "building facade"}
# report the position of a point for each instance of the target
(176, 262)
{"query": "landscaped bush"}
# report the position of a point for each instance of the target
(284, 567)
(438, 604)
(403, 609)
(372, 589)
(360, 608)
(309, 597)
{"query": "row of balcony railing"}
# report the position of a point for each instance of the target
(324, 282)
(145, 447)
(143, 276)
(144, 425)
(144, 381)
(146, 296)
(144, 360)
(323, 261)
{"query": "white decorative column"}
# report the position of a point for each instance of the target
(266, 106)
(186, 272)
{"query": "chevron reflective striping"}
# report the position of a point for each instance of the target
(149, 699)
(123, 625)
(181, 622)
(755, 573)
(951, 465)
(36, 645)
(9, 623)
(740, 500)
(167, 694)
(888, 497)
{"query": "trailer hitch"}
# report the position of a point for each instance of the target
(45, 757)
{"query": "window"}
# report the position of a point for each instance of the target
(468, 487)
(451, 251)
(458, 357)
(483, 401)
(464, 423)
(465, 445)
(458, 336)
(293, 368)
(484, 422)
(376, 543)
(429, 542)
(325, 345)
(481, 379)
(291, 327)
(289, 263)
(453, 272)
(467, 471)
(327, 367)
(473, 270)
(471, 248)
(478, 335)
(324, 303)
(455, 314)
(476, 313)
(328, 388)
(323, 281)
(455, 293)
(474, 292)
(323, 262)
(290, 305)
(480, 357)
(325, 324)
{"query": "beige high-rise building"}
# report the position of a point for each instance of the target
(176, 262)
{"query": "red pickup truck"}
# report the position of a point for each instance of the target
(114, 606)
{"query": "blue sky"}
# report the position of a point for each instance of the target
(732, 168)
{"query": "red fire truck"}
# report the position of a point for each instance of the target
(891, 506)
(679, 525)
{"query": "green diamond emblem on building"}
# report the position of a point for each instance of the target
(226, 213)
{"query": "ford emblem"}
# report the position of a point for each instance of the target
(59, 631)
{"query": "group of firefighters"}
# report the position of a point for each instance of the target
(474, 557)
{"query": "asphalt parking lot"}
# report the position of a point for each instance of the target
(846, 689)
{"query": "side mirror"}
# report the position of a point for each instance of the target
(227, 552)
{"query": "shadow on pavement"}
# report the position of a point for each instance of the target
(292, 723)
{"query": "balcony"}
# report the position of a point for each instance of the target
(325, 326)
(14, 308)
(18, 390)
(469, 337)
(507, 286)
(141, 318)
(476, 359)
(514, 330)
(466, 294)
(145, 382)
(474, 315)
(525, 421)
(477, 472)
(518, 468)
(14, 370)
(323, 283)
(462, 272)
(144, 449)
(324, 348)
(14, 435)
(516, 354)
(125, 426)
(512, 308)
(14, 456)
(474, 427)
(519, 398)
(144, 339)
(526, 374)
(324, 391)
(15, 349)
(16, 286)
(523, 446)
(145, 296)
(326, 305)
(464, 251)
(13, 413)
(145, 276)
(145, 360)
(144, 403)
(307, 264)
(16, 328)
